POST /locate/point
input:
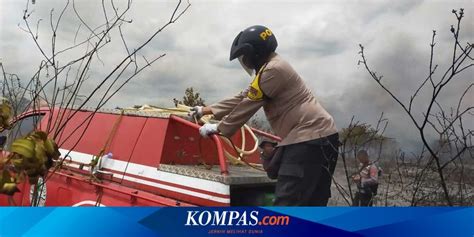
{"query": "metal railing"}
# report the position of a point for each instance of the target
(217, 141)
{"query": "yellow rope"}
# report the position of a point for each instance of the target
(95, 160)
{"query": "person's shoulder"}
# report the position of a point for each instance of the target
(278, 66)
(275, 62)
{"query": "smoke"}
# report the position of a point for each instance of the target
(320, 40)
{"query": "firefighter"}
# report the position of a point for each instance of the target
(366, 180)
(308, 132)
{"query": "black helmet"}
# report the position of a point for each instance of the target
(255, 42)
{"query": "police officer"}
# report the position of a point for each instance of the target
(366, 180)
(308, 132)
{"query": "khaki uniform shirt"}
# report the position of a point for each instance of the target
(290, 107)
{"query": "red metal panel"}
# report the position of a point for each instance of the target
(58, 117)
(112, 194)
(150, 143)
(93, 139)
(184, 145)
(249, 145)
(98, 131)
(171, 194)
(126, 136)
(63, 195)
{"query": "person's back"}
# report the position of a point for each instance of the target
(291, 108)
(309, 148)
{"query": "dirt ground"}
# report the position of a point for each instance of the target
(396, 191)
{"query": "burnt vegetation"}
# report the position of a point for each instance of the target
(441, 172)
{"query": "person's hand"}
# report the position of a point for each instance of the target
(208, 129)
(196, 112)
(268, 151)
(356, 178)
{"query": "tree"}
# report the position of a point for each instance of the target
(12, 90)
(449, 122)
(356, 136)
(360, 134)
(190, 98)
(58, 82)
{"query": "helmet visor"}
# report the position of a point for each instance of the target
(247, 69)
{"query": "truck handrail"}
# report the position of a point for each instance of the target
(265, 134)
(217, 141)
(215, 138)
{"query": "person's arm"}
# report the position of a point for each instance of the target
(269, 84)
(224, 107)
(239, 116)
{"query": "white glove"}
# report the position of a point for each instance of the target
(196, 111)
(208, 129)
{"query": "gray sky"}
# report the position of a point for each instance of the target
(319, 38)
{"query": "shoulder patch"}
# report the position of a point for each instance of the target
(254, 91)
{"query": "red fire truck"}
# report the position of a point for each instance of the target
(152, 159)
